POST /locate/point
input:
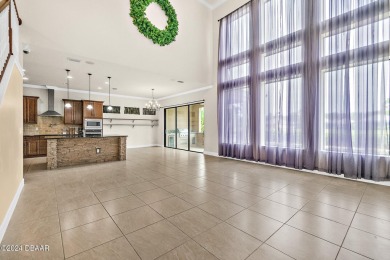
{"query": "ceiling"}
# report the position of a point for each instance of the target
(101, 32)
(212, 4)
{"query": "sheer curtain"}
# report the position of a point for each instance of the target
(305, 83)
(355, 88)
(235, 50)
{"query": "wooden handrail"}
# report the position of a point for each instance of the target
(4, 5)
(17, 13)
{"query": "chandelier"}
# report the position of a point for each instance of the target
(153, 104)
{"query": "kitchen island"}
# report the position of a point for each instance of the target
(65, 151)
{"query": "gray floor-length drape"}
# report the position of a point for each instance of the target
(305, 83)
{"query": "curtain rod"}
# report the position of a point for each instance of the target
(189, 103)
(234, 10)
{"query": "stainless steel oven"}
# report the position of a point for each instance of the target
(93, 127)
(93, 124)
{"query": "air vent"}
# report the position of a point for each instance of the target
(74, 60)
(90, 62)
(114, 89)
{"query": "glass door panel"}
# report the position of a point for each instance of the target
(182, 128)
(170, 127)
(197, 127)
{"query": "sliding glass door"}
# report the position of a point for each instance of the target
(184, 127)
(197, 127)
(170, 127)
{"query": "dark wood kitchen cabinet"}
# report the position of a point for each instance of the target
(96, 112)
(34, 146)
(74, 114)
(30, 110)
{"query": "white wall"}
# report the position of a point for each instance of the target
(139, 136)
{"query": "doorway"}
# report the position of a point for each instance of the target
(184, 127)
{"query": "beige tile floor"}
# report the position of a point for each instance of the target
(169, 204)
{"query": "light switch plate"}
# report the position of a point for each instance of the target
(98, 150)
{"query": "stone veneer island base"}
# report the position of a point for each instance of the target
(70, 151)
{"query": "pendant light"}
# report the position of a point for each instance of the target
(89, 107)
(67, 104)
(109, 94)
(153, 104)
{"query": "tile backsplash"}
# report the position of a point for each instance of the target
(46, 126)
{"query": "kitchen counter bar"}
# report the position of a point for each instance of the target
(68, 150)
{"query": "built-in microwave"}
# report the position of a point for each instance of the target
(93, 124)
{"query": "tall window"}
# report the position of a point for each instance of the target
(306, 83)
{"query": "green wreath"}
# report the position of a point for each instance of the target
(161, 37)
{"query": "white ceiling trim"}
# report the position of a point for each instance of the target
(185, 93)
(113, 95)
(81, 91)
(210, 6)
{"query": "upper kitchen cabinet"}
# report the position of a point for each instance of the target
(30, 110)
(97, 109)
(74, 114)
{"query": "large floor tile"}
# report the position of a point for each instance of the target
(83, 238)
(227, 242)
(265, 252)
(367, 244)
(155, 195)
(255, 224)
(301, 245)
(323, 228)
(257, 190)
(339, 200)
(133, 220)
(345, 254)
(194, 221)
(141, 187)
(274, 210)
(242, 198)
(165, 181)
(377, 211)
(116, 193)
(171, 206)
(337, 214)
(288, 199)
(118, 249)
(82, 216)
(179, 188)
(122, 205)
(220, 208)
(75, 202)
(156, 240)
(197, 197)
(188, 251)
(372, 225)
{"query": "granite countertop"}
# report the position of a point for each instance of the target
(78, 136)
(53, 136)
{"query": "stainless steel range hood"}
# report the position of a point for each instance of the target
(50, 109)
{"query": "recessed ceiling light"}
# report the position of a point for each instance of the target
(25, 78)
(99, 88)
(106, 82)
(74, 60)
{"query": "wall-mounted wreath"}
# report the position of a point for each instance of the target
(161, 37)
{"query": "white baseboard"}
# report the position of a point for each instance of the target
(7, 218)
(142, 146)
(211, 153)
